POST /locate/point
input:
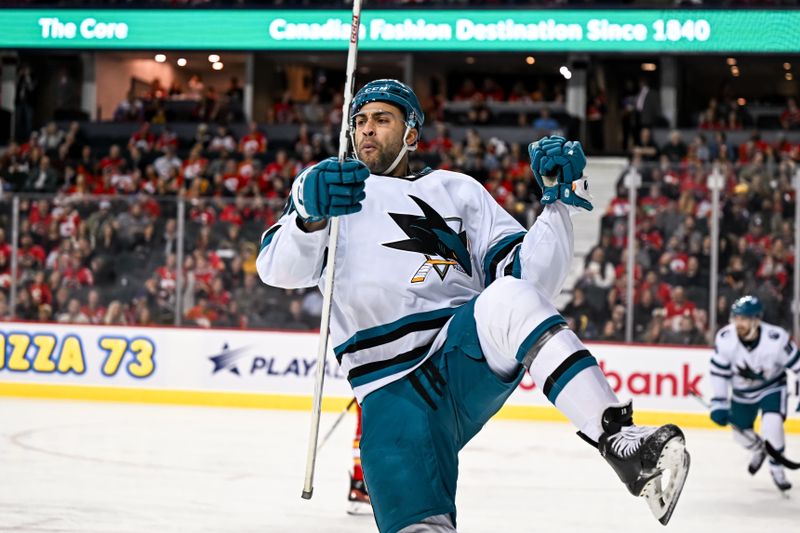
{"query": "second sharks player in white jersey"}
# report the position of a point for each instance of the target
(748, 376)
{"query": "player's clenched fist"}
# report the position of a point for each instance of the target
(558, 165)
(330, 189)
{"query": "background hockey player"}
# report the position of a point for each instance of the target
(441, 302)
(357, 496)
(750, 359)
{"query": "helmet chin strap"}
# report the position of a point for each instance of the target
(406, 148)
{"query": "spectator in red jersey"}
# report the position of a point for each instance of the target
(219, 298)
(5, 248)
(654, 202)
(247, 169)
(201, 314)
(113, 160)
(76, 275)
(491, 91)
(93, 308)
(678, 304)
(254, 141)
(467, 91)
(519, 93)
(202, 213)
(31, 256)
(441, 142)
(143, 138)
(790, 117)
(283, 111)
(232, 213)
(40, 290)
(194, 166)
(282, 167)
(168, 138)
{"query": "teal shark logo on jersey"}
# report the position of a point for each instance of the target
(430, 235)
(748, 372)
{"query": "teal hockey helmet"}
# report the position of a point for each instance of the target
(394, 92)
(747, 306)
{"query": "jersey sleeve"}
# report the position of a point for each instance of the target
(290, 257)
(548, 248)
(791, 354)
(721, 368)
(540, 255)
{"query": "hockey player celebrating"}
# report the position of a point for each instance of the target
(751, 357)
(441, 302)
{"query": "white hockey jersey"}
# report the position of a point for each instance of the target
(421, 246)
(752, 374)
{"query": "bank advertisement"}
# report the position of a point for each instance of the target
(283, 365)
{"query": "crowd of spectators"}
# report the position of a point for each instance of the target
(538, 103)
(196, 102)
(673, 243)
(98, 230)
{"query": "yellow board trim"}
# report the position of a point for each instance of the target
(248, 400)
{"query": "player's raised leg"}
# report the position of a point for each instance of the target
(516, 325)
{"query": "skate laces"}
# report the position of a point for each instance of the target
(627, 441)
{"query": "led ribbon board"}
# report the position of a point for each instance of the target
(559, 30)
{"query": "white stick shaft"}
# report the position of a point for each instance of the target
(322, 347)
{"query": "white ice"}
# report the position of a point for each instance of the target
(120, 468)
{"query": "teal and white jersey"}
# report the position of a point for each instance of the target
(420, 247)
(752, 373)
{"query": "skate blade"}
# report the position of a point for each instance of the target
(359, 509)
(662, 495)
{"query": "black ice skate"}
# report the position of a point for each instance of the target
(779, 477)
(358, 498)
(651, 461)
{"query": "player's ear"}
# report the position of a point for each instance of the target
(411, 138)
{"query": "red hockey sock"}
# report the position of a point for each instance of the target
(358, 474)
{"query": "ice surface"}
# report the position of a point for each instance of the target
(124, 468)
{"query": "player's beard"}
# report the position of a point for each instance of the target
(379, 160)
(747, 331)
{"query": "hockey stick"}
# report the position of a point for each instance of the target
(322, 347)
(754, 438)
(335, 424)
(780, 458)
